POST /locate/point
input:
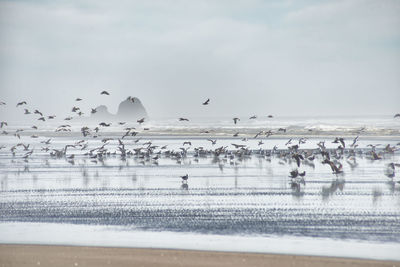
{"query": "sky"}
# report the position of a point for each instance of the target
(283, 57)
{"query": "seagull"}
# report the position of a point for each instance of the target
(2, 103)
(185, 178)
(270, 116)
(21, 103)
(206, 102)
(140, 121)
(78, 99)
(397, 115)
(41, 119)
(253, 117)
(183, 119)
(93, 111)
(235, 120)
(3, 123)
(105, 93)
(213, 142)
(38, 112)
(27, 111)
(51, 117)
(104, 124)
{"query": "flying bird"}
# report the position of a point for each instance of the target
(21, 103)
(206, 102)
(253, 117)
(185, 178)
(235, 120)
(105, 93)
(183, 119)
(397, 115)
(140, 121)
(78, 99)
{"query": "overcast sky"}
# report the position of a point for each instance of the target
(249, 57)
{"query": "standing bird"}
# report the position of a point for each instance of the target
(185, 178)
(206, 102)
(235, 120)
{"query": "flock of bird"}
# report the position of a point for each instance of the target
(147, 152)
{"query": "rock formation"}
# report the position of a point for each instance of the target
(129, 110)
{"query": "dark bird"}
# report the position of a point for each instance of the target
(41, 119)
(335, 169)
(253, 117)
(140, 121)
(105, 93)
(27, 111)
(206, 102)
(270, 116)
(78, 99)
(375, 156)
(302, 174)
(103, 124)
(282, 130)
(185, 178)
(51, 117)
(183, 119)
(298, 157)
(38, 112)
(236, 134)
(2, 103)
(397, 115)
(3, 123)
(21, 103)
(294, 174)
(75, 109)
(187, 143)
(93, 111)
(235, 120)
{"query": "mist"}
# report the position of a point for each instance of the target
(248, 57)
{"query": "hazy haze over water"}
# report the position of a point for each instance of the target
(261, 57)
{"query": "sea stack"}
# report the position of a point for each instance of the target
(131, 109)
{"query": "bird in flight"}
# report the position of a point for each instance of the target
(235, 120)
(21, 103)
(140, 121)
(105, 93)
(206, 102)
(78, 99)
(183, 119)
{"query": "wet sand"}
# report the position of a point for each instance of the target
(42, 255)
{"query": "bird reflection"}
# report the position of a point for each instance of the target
(328, 191)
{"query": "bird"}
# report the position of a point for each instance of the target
(397, 115)
(187, 143)
(183, 119)
(235, 120)
(51, 117)
(206, 102)
(294, 174)
(140, 121)
(27, 111)
(253, 117)
(41, 119)
(93, 111)
(270, 116)
(21, 103)
(38, 112)
(105, 93)
(185, 178)
(213, 142)
(3, 123)
(103, 124)
(2, 103)
(78, 99)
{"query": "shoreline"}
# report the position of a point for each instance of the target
(61, 255)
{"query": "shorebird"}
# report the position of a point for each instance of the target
(105, 93)
(21, 103)
(206, 102)
(235, 120)
(213, 142)
(185, 178)
(183, 119)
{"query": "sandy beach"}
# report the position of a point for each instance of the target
(42, 255)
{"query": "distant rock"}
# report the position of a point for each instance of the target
(131, 109)
(102, 113)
